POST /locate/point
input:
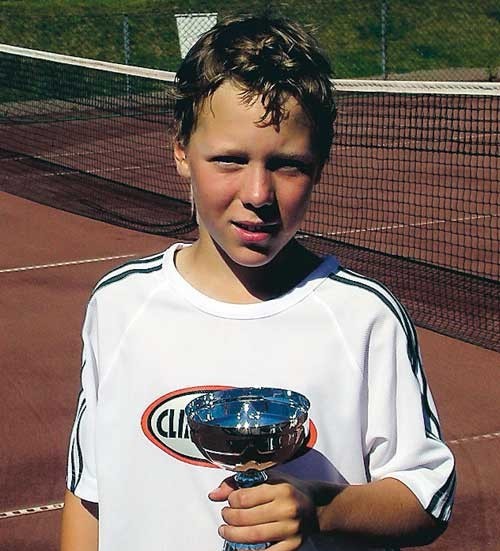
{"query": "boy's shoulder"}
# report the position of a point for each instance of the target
(120, 295)
(358, 284)
(129, 274)
(355, 295)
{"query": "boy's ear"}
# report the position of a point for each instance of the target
(180, 160)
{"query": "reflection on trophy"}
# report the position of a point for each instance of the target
(248, 430)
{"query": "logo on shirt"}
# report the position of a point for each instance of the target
(164, 424)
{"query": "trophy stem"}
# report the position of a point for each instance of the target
(247, 479)
(252, 477)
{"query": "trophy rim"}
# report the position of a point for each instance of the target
(227, 444)
(215, 397)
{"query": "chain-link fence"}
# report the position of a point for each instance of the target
(396, 39)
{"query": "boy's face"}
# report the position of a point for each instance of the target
(251, 184)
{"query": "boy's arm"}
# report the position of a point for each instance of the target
(79, 528)
(385, 512)
(79, 531)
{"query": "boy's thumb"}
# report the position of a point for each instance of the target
(222, 492)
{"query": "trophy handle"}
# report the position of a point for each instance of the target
(247, 479)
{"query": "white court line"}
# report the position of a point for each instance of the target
(479, 437)
(68, 263)
(54, 157)
(32, 510)
(398, 226)
(72, 171)
(56, 506)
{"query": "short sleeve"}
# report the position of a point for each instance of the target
(81, 471)
(403, 437)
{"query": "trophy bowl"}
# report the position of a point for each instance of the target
(248, 430)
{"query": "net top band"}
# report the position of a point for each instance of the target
(341, 85)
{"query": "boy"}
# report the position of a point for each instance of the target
(246, 305)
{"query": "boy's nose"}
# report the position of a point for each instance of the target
(257, 189)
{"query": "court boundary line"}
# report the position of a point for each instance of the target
(68, 171)
(57, 506)
(391, 227)
(476, 438)
(66, 263)
(32, 510)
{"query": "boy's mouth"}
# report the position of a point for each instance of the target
(256, 233)
(268, 227)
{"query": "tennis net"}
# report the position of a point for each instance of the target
(409, 195)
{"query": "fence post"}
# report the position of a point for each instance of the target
(383, 37)
(126, 49)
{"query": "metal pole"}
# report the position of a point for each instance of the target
(126, 48)
(383, 37)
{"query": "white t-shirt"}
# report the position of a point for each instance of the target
(151, 343)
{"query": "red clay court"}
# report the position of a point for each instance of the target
(49, 263)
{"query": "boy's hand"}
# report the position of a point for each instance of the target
(280, 511)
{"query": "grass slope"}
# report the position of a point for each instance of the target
(421, 36)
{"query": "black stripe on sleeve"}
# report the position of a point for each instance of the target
(119, 269)
(76, 451)
(442, 512)
(123, 275)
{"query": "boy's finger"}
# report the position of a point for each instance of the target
(222, 492)
(262, 514)
(270, 532)
(246, 498)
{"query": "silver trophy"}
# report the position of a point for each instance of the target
(248, 430)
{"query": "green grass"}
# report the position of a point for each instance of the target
(427, 35)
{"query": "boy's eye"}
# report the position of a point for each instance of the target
(290, 166)
(229, 160)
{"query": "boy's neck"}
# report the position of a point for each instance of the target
(216, 276)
